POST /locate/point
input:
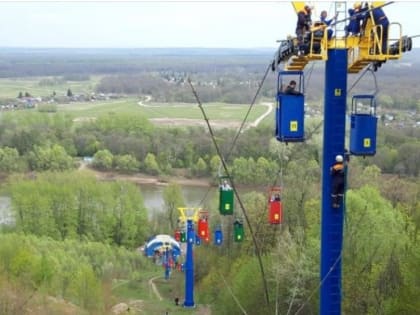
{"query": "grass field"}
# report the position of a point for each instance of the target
(10, 88)
(162, 113)
(217, 111)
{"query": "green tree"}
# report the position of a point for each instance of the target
(86, 288)
(9, 160)
(376, 236)
(299, 186)
(240, 169)
(173, 199)
(214, 165)
(76, 205)
(128, 215)
(200, 168)
(54, 158)
(409, 155)
(69, 93)
(150, 164)
(103, 160)
(126, 163)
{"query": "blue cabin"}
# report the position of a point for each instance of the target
(197, 240)
(363, 125)
(290, 109)
(218, 236)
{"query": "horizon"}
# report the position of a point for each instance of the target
(160, 24)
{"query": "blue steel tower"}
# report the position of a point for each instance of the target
(343, 55)
(189, 216)
(334, 143)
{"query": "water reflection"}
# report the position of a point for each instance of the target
(6, 217)
(193, 196)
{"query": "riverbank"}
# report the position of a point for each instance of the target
(144, 179)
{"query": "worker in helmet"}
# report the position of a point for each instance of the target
(338, 179)
(382, 22)
(356, 16)
(303, 26)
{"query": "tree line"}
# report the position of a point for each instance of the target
(129, 144)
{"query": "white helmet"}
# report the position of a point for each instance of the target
(339, 158)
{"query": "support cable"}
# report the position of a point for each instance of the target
(258, 251)
(308, 76)
(249, 111)
(233, 295)
(320, 284)
(260, 85)
(369, 68)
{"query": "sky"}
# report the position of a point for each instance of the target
(160, 24)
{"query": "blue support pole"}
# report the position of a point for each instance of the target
(189, 266)
(332, 218)
(167, 266)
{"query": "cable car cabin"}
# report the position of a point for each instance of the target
(290, 107)
(275, 207)
(218, 236)
(183, 237)
(238, 231)
(363, 124)
(203, 228)
(225, 197)
(197, 240)
(177, 235)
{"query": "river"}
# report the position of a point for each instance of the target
(193, 195)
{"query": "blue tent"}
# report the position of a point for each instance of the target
(160, 243)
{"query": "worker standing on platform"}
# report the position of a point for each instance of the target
(324, 20)
(304, 23)
(381, 20)
(356, 17)
(338, 179)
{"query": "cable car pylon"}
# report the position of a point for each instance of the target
(342, 55)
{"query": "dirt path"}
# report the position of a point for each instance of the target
(154, 289)
(142, 103)
(267, 112)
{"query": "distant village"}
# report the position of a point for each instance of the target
(28, 101)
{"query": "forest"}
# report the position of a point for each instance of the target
(75, 236)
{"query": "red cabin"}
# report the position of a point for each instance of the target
(275, 208)
(203, 228)
(177, 235)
